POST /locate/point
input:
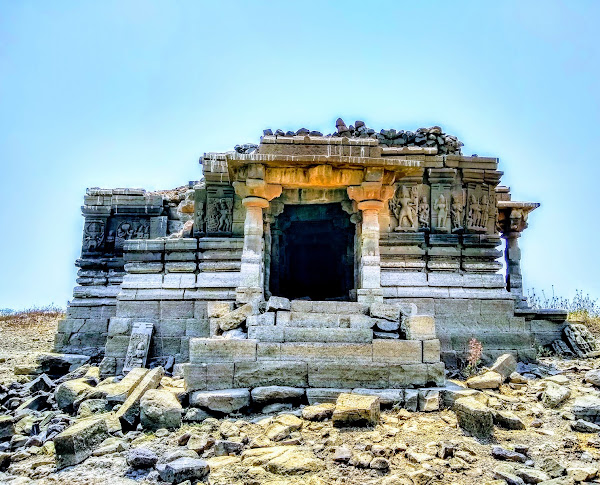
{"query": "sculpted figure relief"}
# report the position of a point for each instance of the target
(219, 216)
(200, 212)
(93, 235)
(404, 206)
(474, 216)
(456, 211)
(424, 213)
(442, 212)
(485, 208)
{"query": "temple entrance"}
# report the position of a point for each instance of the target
(312, 253)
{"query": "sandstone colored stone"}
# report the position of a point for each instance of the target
(356, 410)
(387, 397)
(130, 409)
(429, 400)
(225, 401)
(118, 392)
(473, 416)
(508, 420)
(235, 318)
(593, 377)
(77, 442)
(554, 395)
(318, 412)
(419, 327)
(385, 311)
(487, 380)
(160, 409)
(68, 392)
(218, 309)
(398, 351)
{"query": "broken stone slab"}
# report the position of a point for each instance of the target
(235, 318)
(7, 428)
(356, 410)
(278, 303)
(593, 377)
(160, 409)
(385, 311)
(183, 469)
(68, 392)
(55, 364)
(118, 392)
(505, 365)
(130, 409)
(224, 401)
(429, 400)
(487, 380)
(583, 426)
(508, 420)
(474, 417)
(411, 400)
(386, 326)
(90, 407)
(555, 395)
(531, 475)
(269, 394)
(41, 383)
(318, 412)
(318, 395)
(500, 453)
(77, 442)
(587, 408)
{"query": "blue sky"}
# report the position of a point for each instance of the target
(131, 93)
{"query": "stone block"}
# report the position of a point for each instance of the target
(264, 319)
(197, 328)
(217, 309)
(340, 352)
(324, 374)
(474, 417)
(270, 394)
(225, 401)
(118, 392)
(183, 470)
(356, 335)
(431, 351)
(419, 327)
(429, 400)
(145, 310)
(387, 397)
(235, 318)
(130, 409)
(268, 351)
(408, 375)
(119, 326)
(398, 351)
(316, 395)
(266, 333)
(301, 306)
(221, 279)
(76, 443)
(142, 281)
(411, 400)
(278, 303)
(116, 346)
(505, 365)
(180, 267)
(179, 280)
(176, 309)
(271, 373)
(160, 409)
(208, 377)
(221, 350)
(436, 374)
(385, 311)
(356, 410)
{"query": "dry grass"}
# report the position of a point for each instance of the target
(32, 316)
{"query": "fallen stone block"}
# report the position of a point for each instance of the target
(141, 458)
(235, 318)
(583, 426)
(593, 377)
(7, 428)
(318, 412)
(56, 364)
(160, 409)
(90, 407)
(487, 380)
(387, 397)
(77, 442)
(41, 383)
(429, 400)
(130, 410)
(555, 395)
(508, 420)
(224, 401)
(118, 392)
(278, 303)
(587, 408)
(68, 392)
(385, 311)
(500, 453)
(183, 469)
(474, 417)
(356, 410)
(505, 365)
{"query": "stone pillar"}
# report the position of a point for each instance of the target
(512, 255)
(369, 272)
(252, 268)
(370, 198)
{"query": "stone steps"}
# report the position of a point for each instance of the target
(323, 320)
(270, 333)
(337, 307)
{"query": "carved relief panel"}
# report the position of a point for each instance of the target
(410, 208)
(200, 211)
(93, 235)
(478, 208)
(219, 210)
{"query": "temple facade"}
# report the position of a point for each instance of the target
(357, 259)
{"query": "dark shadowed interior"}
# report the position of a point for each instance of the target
(312, 253)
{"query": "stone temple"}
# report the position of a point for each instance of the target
(352, 260)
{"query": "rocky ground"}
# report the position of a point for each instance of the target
(514, 428)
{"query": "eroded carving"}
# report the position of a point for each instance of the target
(219, 216)
(457, 211)
(404, 207)
(441, 206)
(93, 235)
(424, 213)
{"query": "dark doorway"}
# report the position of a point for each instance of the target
(312, 253)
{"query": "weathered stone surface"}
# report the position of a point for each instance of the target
(356, 410)
(271, 373)
(225, 401)
(500, 453)
(90, 407)
(584, 426)
(283, 460)
(77, 442)
(160, 409)
(593, 377)
(508, 420)
(68, 392)
(182, 469)
(419, 327)
(119, 391)
(473, 416)
(56, 364)
(264, 395)
(40, 383)
(7, 428)
(505, 365)
(429, 400)
(130, 409)
(385, 311)
(387, 397)
(531, 475)
(587, 408)
(318, 412)
(218, 309)
(278, 303)
(555, 395)
(487, 380)
(141, 457)
(235, 318)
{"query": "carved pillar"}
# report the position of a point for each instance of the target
(512, 221)
(256, 196)
(370, 198)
